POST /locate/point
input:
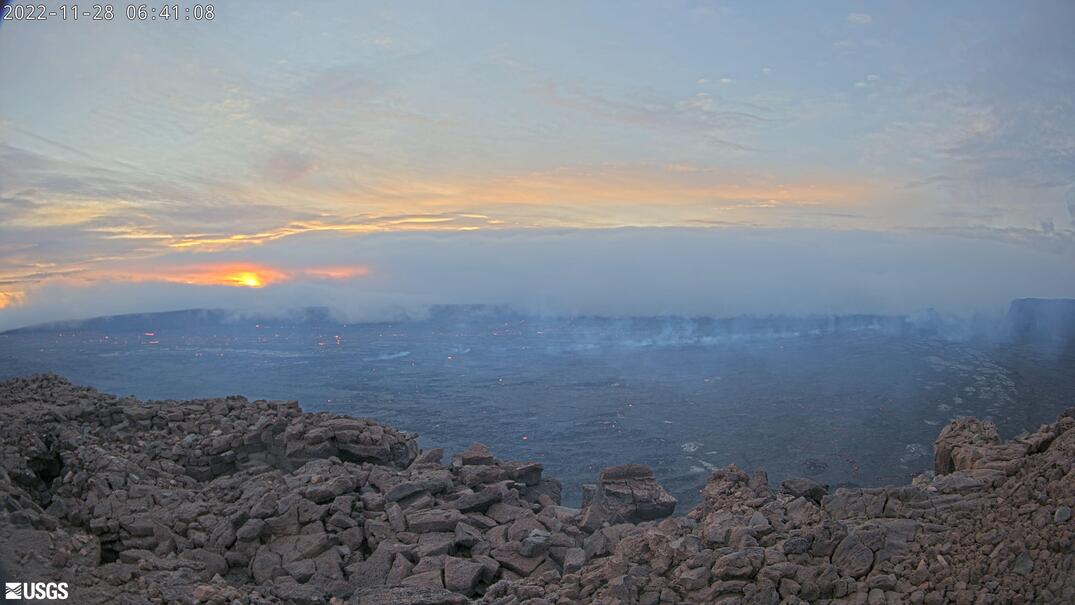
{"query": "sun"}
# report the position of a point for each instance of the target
(249, 279)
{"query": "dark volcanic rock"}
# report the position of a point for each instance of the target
(807, 488)
(407, 595)
(231, 501)
(477, 454)
(434, 520)
(627, 494)
(986, 532)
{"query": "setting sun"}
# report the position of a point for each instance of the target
(235, 275)
(246, 278)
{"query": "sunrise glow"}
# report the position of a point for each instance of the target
(249, 279)
(337, 272)
(11, 299)
(233, 275)
(237, 276)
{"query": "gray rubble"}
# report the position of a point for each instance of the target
(233, 501)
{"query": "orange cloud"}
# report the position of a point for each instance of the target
(676, 185)
(337, 272)
(602, 196)
(339, 224)
(11, 299)
(236, 275)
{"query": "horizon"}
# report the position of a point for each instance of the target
(310, 314)
(695, 158)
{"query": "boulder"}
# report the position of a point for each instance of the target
(962, 443)
(477, 454)
(288, 590)
(535, 543)
(429, 579)
(406, 595)
(806, 488)
(627, 494)
(435, 520)
(852, 557)
(265, 565)
(574, 559)
(509, 556)
(739, 564)
(461, 575)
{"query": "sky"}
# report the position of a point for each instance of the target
(565, 157)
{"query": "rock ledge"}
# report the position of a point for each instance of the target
(232, 501)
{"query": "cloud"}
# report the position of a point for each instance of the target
(1042, 238)
(640, 185)
(12, 299)
(717, 120)
(868, 81)
(336, 272)
(71, 214)
(239, 275)
(696, 271)
(286, 165)
(231, 274)
(860, 19)
(228, 274)
(998, 161)
(14, 207)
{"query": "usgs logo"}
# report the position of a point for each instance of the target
(36, 590)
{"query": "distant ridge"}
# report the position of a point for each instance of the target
(185, 318)
(927, 322)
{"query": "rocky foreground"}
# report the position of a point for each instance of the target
(231, 501)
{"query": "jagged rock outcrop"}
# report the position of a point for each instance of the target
(231, 501)
(225, 499)
(996, 527)
(628, 493)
